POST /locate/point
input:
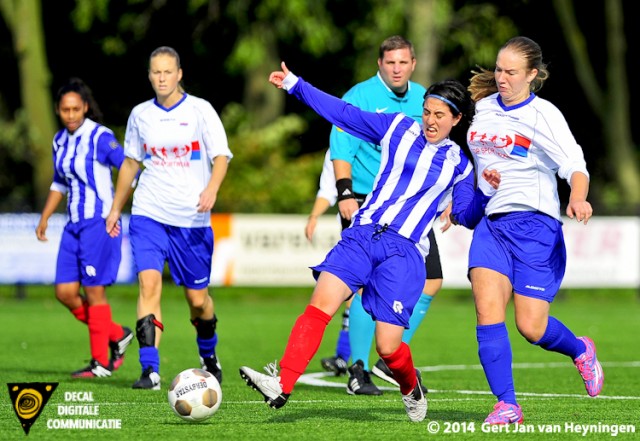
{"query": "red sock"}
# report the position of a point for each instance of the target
(401, 364)
(115, 332)
(99, 323)
(80, 312)
(303, 344)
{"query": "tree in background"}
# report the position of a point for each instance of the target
(28, 136)
(228, 49)
(609, 102)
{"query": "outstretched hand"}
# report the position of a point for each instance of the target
(277, 77)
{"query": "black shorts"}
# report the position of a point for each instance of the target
(432, 264)
(434, 268)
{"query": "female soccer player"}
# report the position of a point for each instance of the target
(518, 247)
(84, 153)
(181, 142)
(383, 251)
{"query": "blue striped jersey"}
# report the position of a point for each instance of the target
(416, 178)
(82, 163)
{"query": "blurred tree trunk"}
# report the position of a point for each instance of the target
(264, 101)
(610, 104)
(422, 31)
(24, 20)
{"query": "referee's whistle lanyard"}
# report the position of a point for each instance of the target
(379, 230)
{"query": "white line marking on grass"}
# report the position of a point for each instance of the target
(317, 379)
(464, 367)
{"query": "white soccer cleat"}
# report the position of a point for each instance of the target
(415, 403)
(268, 385)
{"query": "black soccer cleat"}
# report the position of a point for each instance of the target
(119, 347)
(148, 380)
(95, 369)
(212, 365)
(360, 381)
(337, 365)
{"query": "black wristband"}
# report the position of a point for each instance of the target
(345, 189)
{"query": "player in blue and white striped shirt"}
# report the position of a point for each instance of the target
(383, 251)
(84, 154)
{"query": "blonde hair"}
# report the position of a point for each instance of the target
(483, 82)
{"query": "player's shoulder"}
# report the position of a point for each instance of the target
(363, 88)
(142, 107)
(196, 101)
(198, 106)
(487, 102)
(457, 155)
(545, 106)
(92, 125)
(59, 137)
(417, 88)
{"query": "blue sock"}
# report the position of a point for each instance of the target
(418, 314)
(495, 355)
(343, 348)
(149, 356)
(207, 346)
(361, 330)
(558, 338)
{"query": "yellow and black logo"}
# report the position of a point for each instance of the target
(28, 400)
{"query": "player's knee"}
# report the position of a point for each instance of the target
(530, 330)
(199, 303)
(146, 330)
(67, 297)
(386, 348)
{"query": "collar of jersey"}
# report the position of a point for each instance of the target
(515, 106)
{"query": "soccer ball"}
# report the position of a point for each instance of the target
(194, 395)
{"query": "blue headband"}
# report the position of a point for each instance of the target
(441, 98)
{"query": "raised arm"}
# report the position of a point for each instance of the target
(368, 126)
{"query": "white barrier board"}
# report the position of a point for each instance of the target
(24, 259)
(271, 250)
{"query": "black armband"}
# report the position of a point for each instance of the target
(345, 189)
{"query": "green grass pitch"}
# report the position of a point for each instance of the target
(42, 342)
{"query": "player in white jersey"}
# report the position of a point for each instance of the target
(518, 248)
(383, 251)
(180, 141)
(326, 196)
(84, 154)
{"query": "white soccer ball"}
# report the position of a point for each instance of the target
(194, 395)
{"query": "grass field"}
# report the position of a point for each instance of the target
(41, 342)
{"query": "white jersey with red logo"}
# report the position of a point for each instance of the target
(528, 143)
(176, 147)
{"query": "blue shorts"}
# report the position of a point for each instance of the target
(527, 247)
(88, 254)
(188, 251)
(388, 267)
